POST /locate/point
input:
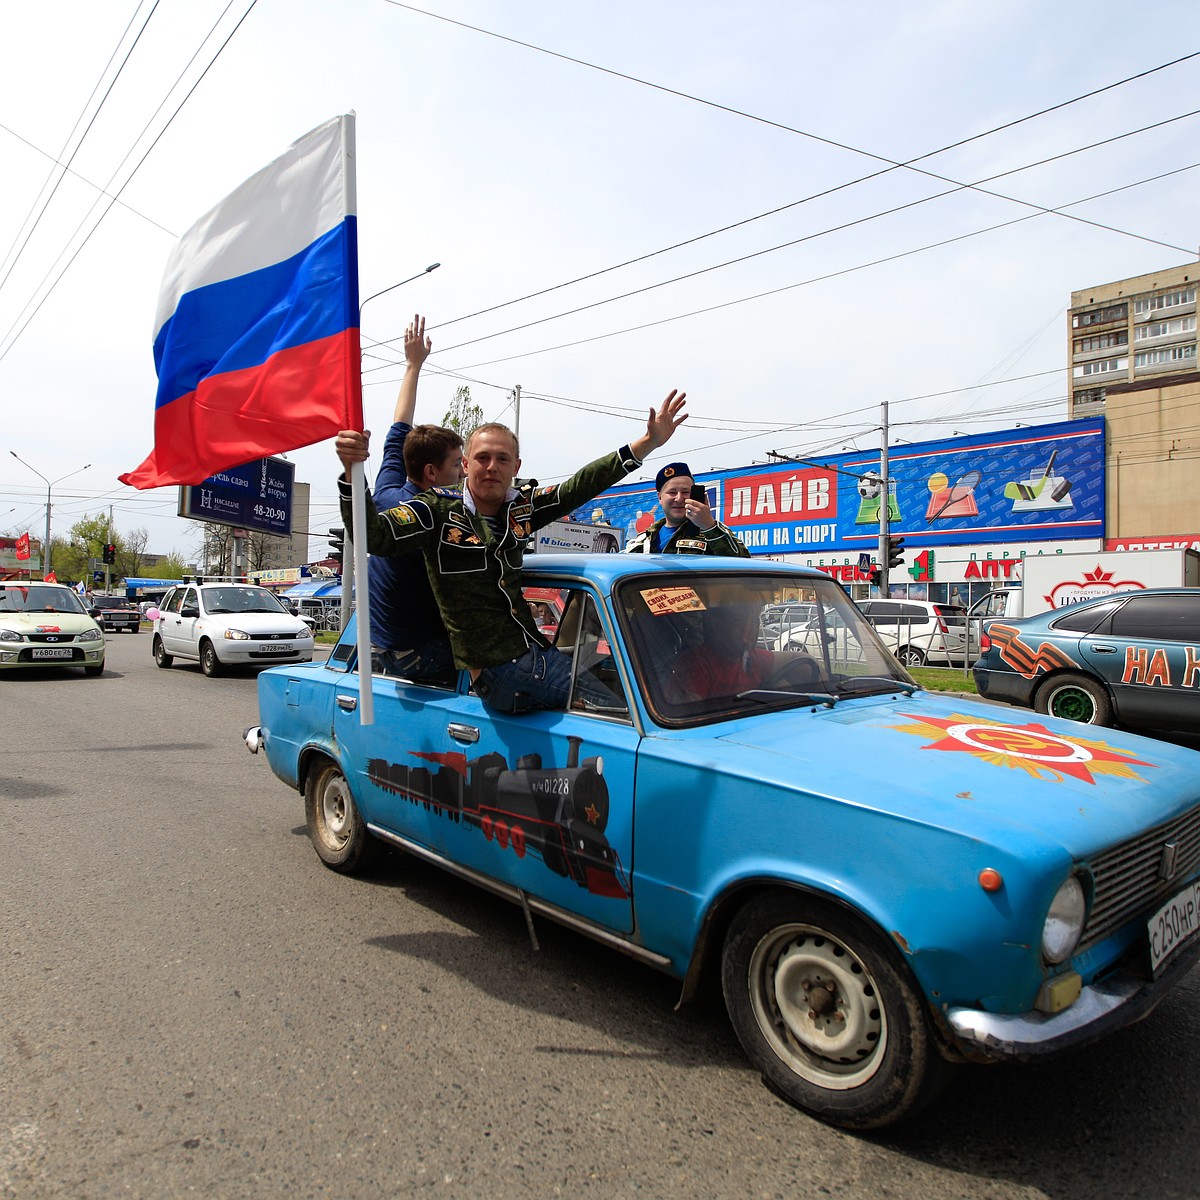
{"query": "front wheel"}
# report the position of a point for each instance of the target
(1075, 697)
(94, 670)
(335, 827)
(210, 664)
(825, 1013)
(161, 657)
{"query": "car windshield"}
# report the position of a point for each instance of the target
(38, 598)
(697, 645)
(240, 600)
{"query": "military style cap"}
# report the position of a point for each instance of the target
(669, 472)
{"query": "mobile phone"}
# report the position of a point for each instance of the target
(698, 493)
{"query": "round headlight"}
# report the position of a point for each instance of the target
(1064, 921)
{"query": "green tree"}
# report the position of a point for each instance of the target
(463, 415)
(170, 566)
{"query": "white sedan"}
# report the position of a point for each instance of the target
(227, 625)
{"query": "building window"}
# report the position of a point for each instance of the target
(1102, 341)
(1094, 395)
(1100, 316)
(1167, 355)
(1158, 329)
(1149, 304)
(1101, 366)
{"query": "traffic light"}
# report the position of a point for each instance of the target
(337, 542)
(875, 576)
(895, 550)
(110, 553)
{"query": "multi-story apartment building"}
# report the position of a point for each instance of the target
(1131, 331)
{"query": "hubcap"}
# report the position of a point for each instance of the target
(818, 1006)
(335, 812)
(1074, 704)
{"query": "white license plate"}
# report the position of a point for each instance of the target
(276, 647)
(1177, 922)
(47, 652)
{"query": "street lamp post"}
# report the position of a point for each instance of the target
(49, 487)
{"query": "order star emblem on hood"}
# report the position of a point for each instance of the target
(1030, 747)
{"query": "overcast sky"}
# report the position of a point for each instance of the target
(649, 124)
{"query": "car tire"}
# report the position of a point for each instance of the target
(911, 656)
(93, 671)
(210, 664)
(1075, 698)
(860, 1054)
(335, 827)
(161, 657)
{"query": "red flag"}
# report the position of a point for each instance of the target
(23, 547)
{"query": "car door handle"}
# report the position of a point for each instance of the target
(1104, 649)
(347, 703)
(462, 733)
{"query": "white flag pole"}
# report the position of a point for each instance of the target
(358, 507)
(358, 484)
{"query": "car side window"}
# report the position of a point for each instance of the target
(174, 600)
(596, 682)
(1173, 618)
(1087, 620)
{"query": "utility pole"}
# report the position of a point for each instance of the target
(347, 579)
(517, 413)
(885, 504)
(108, 538)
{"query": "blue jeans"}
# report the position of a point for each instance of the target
(431, 663)
(538, 679)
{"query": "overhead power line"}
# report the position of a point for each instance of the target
(828, 275)
(11, 337)
(890, 164)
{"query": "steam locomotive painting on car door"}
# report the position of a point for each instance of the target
(543, 802)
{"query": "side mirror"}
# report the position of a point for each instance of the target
(189, 610)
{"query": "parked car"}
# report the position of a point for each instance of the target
(779, 620)
(851, 855)
(919, 632)
(227, 625)
(1128, 659)
(46, 625)
(115, 612)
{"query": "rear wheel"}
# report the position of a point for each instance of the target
(210, 664)
(825, 1012)
(1075, 697)
(335, 828)
(161, 657)
(911, 656)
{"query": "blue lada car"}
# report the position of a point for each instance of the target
(884, 881)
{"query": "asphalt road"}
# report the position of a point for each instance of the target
(192, 1004)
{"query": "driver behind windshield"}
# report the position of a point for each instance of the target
(727, 661)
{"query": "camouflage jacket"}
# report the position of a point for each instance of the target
(717, 540)
(476, 573)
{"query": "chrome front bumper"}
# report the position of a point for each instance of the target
(1101, 1008)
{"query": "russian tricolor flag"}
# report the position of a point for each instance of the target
(257, 340)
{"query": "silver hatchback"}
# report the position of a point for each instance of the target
(919, 631)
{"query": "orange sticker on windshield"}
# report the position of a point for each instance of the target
(663, 600)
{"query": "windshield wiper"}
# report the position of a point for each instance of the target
(763, 695)
(883, 682)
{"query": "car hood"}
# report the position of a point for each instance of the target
(258, 623)
(47, 622)
(976, 768)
